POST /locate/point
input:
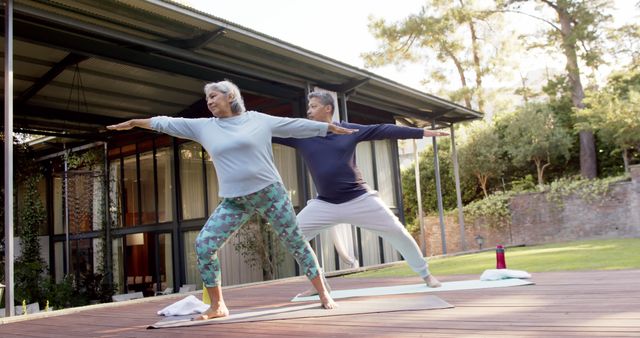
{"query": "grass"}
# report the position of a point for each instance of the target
(613, 254)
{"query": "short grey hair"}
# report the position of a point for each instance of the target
(228, 88)
(325, 99)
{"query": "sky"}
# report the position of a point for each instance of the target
(339, 28)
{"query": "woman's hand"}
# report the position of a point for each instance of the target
(142, 123)
(431, 133)
(341, 130)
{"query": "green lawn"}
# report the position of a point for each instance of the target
(614, 254)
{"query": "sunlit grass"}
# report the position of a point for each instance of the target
(614, 254)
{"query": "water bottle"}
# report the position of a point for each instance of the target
(500, 261)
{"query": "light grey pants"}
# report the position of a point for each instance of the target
(368, 212)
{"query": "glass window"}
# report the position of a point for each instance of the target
(58, 248)
(42, 193)
(130, 191)
(212, 184)
(191, 180)
(164, 164)
(98, 215)
(140, 263)
(58, 206)
(80, 193)
(190, 259)
(147, 188)
(234, 268)
(115, 205)
(364, 161)
(98, 253)
(117, 252)
(166, 263)
(81, 256)
(384, 164)
(285, 161)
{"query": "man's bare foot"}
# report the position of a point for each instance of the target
(327, 301)
(432, 282)
(353, 265)
(217, 312)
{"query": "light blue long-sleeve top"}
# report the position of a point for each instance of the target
(240, 146)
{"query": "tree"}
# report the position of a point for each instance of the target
(533, 135)
(626, 43)
(614, 113)
(578, 25)
(452, 32)
(480, 155)
(427, 186)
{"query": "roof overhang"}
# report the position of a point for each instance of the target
(145, 58)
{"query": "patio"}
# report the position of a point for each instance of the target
(561, 304)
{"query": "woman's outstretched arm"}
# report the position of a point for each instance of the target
(140, 123)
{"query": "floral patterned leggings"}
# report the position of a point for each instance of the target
(272, 203)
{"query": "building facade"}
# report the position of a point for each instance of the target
(80, 66)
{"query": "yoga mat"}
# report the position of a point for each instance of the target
(352, 307)
(417, 288)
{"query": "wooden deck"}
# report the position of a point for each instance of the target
(561, 304)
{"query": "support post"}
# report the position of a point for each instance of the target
(456, 175)
(423, 246)
(439, 192)
(8, 159)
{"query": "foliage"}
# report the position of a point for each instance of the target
(458, 34)
(494, 209)
(90, 160)
(525, 184)
(481, 154)
(64, 294)
(613, 112)
(24, 166)
(534, 136)
(626, 43)
(29, 267)
(589, 191)
(96, 286)
(468, 184)
(558, 92)
(587, 21)
(259, 246)
(576, 24)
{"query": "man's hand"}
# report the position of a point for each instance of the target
(430, 133)
(340, 130)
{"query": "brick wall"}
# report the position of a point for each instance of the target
(536, 220)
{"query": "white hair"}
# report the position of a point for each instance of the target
(228, 88)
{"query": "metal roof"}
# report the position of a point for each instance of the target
(144, 58)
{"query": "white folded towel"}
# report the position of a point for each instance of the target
(188, 306)
(496, 274)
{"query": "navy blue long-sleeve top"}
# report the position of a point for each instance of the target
(332, 162)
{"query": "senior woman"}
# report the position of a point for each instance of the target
(239, 143)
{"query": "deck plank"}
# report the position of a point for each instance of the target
(560, 304)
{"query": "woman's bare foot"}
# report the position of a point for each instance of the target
(432, 282)
(214, 312)
(312, 290)
(327, 301)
